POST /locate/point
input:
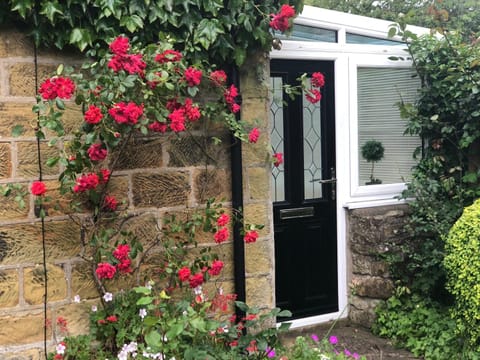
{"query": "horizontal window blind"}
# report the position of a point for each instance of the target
(379, 92)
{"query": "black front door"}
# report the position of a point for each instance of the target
(304, 192)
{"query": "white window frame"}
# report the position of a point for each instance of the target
(360, 192)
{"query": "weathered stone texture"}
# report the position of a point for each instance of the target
(140, 153)
(82, 281)
(22, 77)
(258, 214)
(34, 284)
(196, 150)
(28, 159)
(258, 257)
(260, 292)
(8, 288)
(31, 354)
(77, 316)
(212, 184)
(23, 243)
(12, 114)
(14, 43)
(258, 153)
(372, 233)
(259, 183)
(6, 161)
(161, 190)
(22, 329)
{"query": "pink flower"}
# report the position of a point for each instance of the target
(105, 175)
(196, 280)
(223, 220)
(191, 111)
(105, 271)
(333, 340)
(218, 77)
(254, 135)
(93, 115)
(277, 159)
(193, 76)
(110, 203)
(124, 266)
(177, 118)
(315, 337)
(216, 267)
(251, 236)
(112, 318)
(184, 274)
(221, 235)
(38, 188)
(121, 252)
(120, 45)
(96, 152)
(318, 79)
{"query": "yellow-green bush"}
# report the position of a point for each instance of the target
(462, 263)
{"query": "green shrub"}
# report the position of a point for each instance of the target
(462, 264)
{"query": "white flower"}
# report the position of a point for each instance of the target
(149, 284)
(142, 313)
(108, 297)
(61, 348)
(94, 308)
(198, 290)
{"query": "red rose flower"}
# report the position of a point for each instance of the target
(223, 220)
(38, 188)
(177, 118)
(230, 94)
(218, 77)
(96, 152)
(251, 236)
(121, 252)
(105, 175)
(281, 20)
(112, 318)
(101, 322)
(278, 159)
(193, 76)
(105, 271)
(192, 112)
(168, 55)
(126, 113)
(93, 115)
(86, 182)
(221, 235)
(57, 87)
(196, 280)
(120, 45)
(48, 90)
(110, 203)
(216, 267)
(235, 108)
(158, 126)
(184, 274)
(313, 95)
(254, 135)
(318, 79)
(124, 266)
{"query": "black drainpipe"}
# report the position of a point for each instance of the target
(237, 206)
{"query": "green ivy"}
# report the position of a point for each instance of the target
(221, 31)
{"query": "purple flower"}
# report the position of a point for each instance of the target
(348, 353)
(270, 352)
(333, 340)
(315, 337)
(356, 356)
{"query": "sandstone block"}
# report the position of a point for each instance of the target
(260, 292)
(369, 265)
(22, 77)
(362, 311)
(197, 150)
(258, 214)
(19, 328)
(372, 287)
(82, 281)
(8, 288)
(259, 183)
(77, 316)
(15, 43)
(139, 154)
(23, 243)
(34, 284)
(28, 160)
(258, 257)
(255, 111)
(12, 114)
(212, 184)
(30, 354)
(6, 163)
(258, 153)
(161, 190)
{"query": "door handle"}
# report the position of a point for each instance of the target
(327, 181)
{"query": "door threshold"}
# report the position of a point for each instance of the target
(315, 320)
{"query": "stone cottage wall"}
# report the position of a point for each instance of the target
(158, 177)
(371, 233)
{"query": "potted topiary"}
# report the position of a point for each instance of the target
(373, 151)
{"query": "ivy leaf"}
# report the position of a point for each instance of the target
(23, 6)
(51, 8)
(81, 38)
(132, 23)
(240, 55)
(17, 130)
(153, 339)
(207, 32)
